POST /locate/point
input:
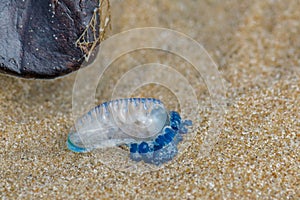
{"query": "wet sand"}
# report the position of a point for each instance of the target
(256, 46)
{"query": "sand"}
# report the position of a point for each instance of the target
(257, 155)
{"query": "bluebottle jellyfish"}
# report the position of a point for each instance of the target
(144, 125)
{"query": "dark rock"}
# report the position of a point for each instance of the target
(37, 37)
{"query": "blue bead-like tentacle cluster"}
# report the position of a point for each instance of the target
(163, 147)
